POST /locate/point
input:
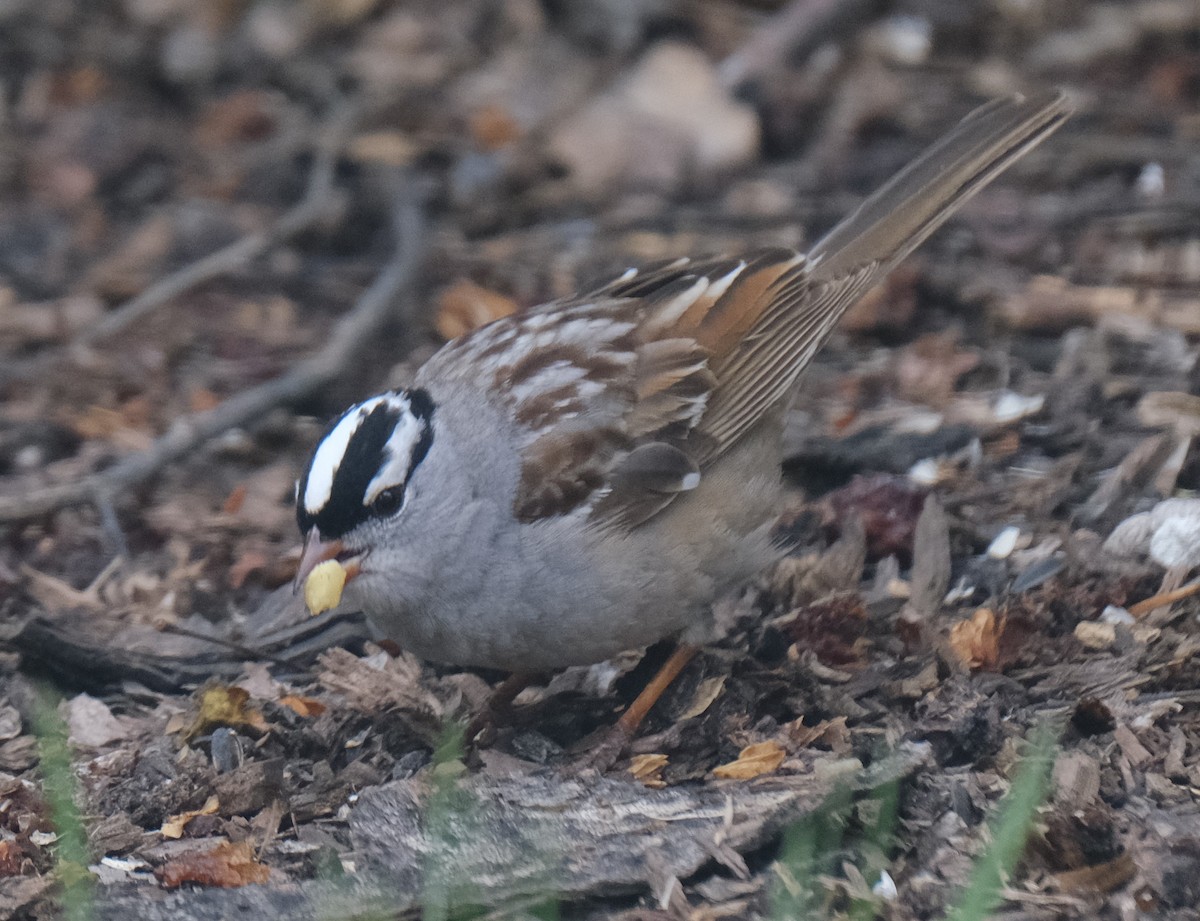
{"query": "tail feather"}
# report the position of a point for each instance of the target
(900, 215)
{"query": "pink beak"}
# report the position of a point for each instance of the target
(317, 551)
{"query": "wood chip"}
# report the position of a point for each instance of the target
(1134, 751)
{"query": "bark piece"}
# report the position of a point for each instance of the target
(514, 835)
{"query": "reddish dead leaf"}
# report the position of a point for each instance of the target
(753, 761)
(976, 641)
(223, 705)
(201, 400)
(303, 706)
(465, 306)
(929, 369)
(493, 127)
(244, 115)
(174, 826)
(251, 561)
(78, 86)
(235, 500)
(888, 306)
(832, 629)
(228, 865)
(888, 507)
(12, 859)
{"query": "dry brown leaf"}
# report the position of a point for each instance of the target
(235, 500)
(228, 865)
(708, 691)
(249, 562)
(976, 641)
(832, 732)
(1103, 877)
(223, 705)
(648, 769)
(303, 706)
(465, 306)
(173, 827)
(753, 761)
(493, 127)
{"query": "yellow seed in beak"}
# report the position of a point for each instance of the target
(323, 587)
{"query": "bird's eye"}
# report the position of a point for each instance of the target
(388, 502)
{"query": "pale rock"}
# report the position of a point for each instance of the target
(91, 724)
(1095, 634)
(669, 120)
(1169, 534)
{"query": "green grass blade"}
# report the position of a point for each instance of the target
(59, 787)
(1009, 830)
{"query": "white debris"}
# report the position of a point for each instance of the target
(1169, 534)
(1152, 181)
(1117, 615)
(1010, 406)
(926, 472)
(1176, 542)
(886, 887)
(1004, 543)
(960, 592)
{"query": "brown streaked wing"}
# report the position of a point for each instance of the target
(683, 359)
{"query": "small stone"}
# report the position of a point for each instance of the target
(1095, 635)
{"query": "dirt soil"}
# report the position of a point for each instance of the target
(221, 222)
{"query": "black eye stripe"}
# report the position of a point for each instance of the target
(365, 453)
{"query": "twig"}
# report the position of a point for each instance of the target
(312, 205)
(796, 29)
(302, 214)
(1146, 605)
(186, 434)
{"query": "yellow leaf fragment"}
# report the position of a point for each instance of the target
(753, 761)
(323, 587)
(225, 705)
(173, 827)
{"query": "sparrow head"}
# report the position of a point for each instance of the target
(359, 477)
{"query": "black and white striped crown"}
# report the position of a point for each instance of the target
(364, 461)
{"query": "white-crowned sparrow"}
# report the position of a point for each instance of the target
(588, 476)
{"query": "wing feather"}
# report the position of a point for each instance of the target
(627, 394)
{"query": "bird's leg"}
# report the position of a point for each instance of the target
(505, 693)
(603, 755)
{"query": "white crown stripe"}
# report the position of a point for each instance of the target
(399, 452)
(329, 454)
(332, 449)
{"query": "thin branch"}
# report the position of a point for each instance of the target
(796, 29)
(187, 434)
(307, 211)
(301, 215)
